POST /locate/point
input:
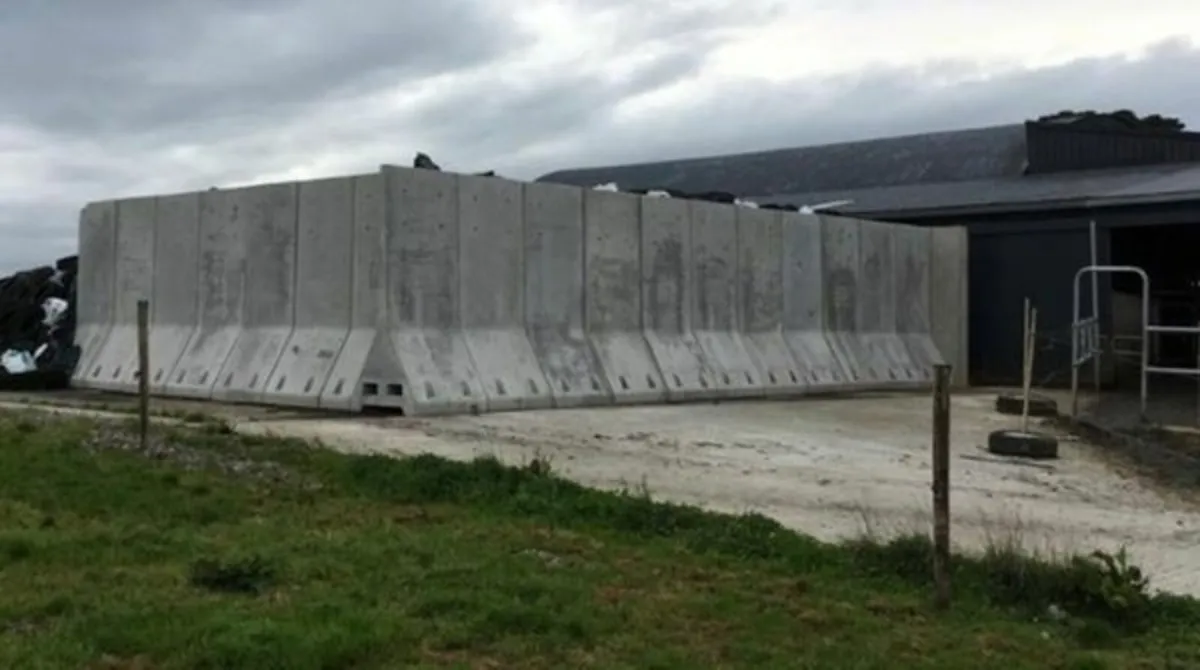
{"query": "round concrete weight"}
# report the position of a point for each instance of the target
(1039, 405)
(1023, 444)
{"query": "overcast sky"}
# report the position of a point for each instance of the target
(100, 99)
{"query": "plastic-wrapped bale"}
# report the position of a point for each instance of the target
(37, 327)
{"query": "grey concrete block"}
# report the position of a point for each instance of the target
(174, 309)
(820, 367)
(491, 219)
(367, 361)
(424, 327)
(554, 295)
(268, 217)
(912, 248)
(666, 300)
(612, 296)
(323, 293)
(715, 311)
(221, 286)
(948, 298)
(96, 282)
(760, 300)
(115, 367)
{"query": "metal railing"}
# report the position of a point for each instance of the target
(1086, 337)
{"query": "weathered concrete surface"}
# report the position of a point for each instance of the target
(268, 300)
(554, 301)
(221, 289)
(367, 361)
(491, 219)
(612, 296)
(887, 357)
(424, 299)
(115, 365)
(96, 286)
(912, 248)
(324, 271)
(715, 316)
(821, 364)
(833, 468)
(760, 289)
(174, 309)
(667, 280)
(949, 303)
(437, 293)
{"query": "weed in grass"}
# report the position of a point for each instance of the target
(250, 576)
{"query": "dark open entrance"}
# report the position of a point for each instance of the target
(1170, 255)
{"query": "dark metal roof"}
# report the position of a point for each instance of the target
(1090, 188)
(963, 155)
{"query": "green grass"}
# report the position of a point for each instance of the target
(216, 551)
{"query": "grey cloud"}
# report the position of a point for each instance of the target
(135, 65)
(754, 115)
(118, 89)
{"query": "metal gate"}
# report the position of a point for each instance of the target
(1086, 338)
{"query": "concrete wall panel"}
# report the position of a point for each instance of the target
(554, 295)
(438, 374)
(96, 286)
(948, 298)
(174, 310)
(491, 218)
(612, 296)
(820, 365)
(324, 257)
(117, 361)
(841, 265)
(912, 248)
(888, 361)
(760, 286)
(367, 360)
(221, 284)
(666, 281)
(269, 298)
(715, 311)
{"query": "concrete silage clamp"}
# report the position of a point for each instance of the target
(437, 293)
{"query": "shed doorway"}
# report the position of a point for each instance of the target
(1170, 255)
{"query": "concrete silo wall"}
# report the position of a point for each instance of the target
(438, 293)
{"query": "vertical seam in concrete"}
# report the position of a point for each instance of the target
(523, 289)
(460, 328)
(295, 279)
(153, 262)
(736, 274)
(641, 306)
(114, 287)
(584, 229)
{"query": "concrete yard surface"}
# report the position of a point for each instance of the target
(834, 468)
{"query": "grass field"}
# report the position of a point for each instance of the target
(211, 550)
